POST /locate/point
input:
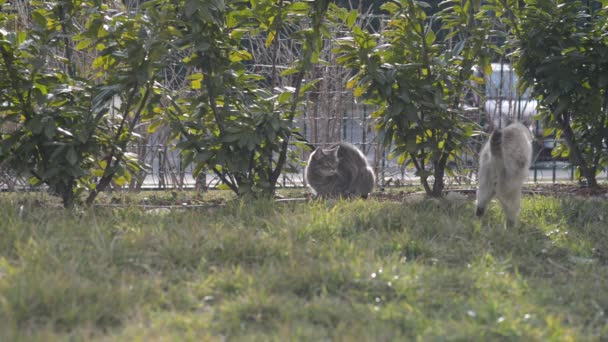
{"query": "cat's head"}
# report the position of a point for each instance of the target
(325, 161)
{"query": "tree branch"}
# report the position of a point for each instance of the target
(284, 146)
(113, 159)
(230, 183)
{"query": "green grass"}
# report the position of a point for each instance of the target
(346, 270)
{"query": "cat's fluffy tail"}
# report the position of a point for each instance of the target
(496, 144)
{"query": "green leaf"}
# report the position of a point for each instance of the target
(359, 91)
(285, 97)
(49, 129)
(430, 37)
(223, 187)
(228, 138)
(83, 44)
(71, 156)
(153, 126)
(203, 157)
(410, 144)
(35, 125)
(290, 71)
(39, 19)
(238, 56)
(562, 105)
(270, 38)
(301, 7)
(352, 18)
(195, 84)
(34, 181)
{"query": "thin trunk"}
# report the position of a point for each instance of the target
(285, 146)
(576, 156)
(120, 146)
(66, 41)
(423, 179)
(67, 194)
(425, 183)
(439, 173)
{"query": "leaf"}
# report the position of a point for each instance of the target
(231, 138)
(39, 19)
(430, 37)
(203, 157)
(49, 129)
(351, 19)
(352, 82)
(223, 187)
(359, 91)
(65, 132)
(285, 97)
(290, 71)
(34, 181)
(83, 44)
(153, 126)
(35, 125)
(238, 56)
(195, 84)
(562, 105)
(301, 7)
(71, 156)
(410, 144)
(270, 38)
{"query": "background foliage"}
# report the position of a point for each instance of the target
(68, 120)
(239, 124)
(416, 71)
(82, 78)
(561, 50)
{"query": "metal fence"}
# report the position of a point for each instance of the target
(352, 123)
(330, 115)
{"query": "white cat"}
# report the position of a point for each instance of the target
(503, 167)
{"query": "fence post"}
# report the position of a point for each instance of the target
(364, 134)
(161, 176)
(383, 168)
(344, 121)
(542, 146)
(554, 165)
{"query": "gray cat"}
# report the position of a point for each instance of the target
(339, 171)
(503, 167)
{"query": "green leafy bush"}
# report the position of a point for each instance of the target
(73, 87)
(416, 71)
(235, 123)
(562, 54)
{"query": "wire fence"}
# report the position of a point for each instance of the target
(331, 114)
(165, 169)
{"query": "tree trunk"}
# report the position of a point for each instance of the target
(67, 194)
(438, 184)
(576, 157)
(101, 186)
(425, 183)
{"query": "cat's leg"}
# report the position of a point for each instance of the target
(511, 205)
(486, 188)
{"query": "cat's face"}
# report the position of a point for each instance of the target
(325, 161)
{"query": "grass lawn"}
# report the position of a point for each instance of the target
(374, 270)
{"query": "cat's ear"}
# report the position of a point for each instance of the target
(338, 150)
(335, 151)
(331, 151)
(317, 154)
